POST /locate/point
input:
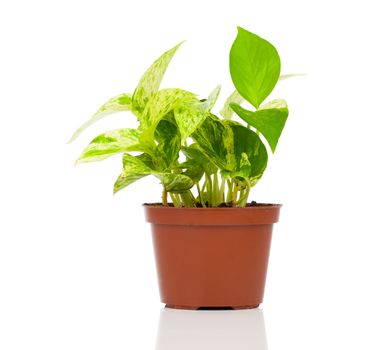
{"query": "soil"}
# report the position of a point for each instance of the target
(222, 205)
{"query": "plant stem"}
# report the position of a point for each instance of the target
(215, 191)
(221, 191)
(229, 193)
(188, 199)
(164, 198)
(209, 189)
(244, 195)
(175, 200)
(200, 194)
(234, 194)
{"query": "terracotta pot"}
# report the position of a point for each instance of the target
(212, 257)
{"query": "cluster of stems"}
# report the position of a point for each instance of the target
(212, 191)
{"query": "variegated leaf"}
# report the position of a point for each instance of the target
(176, 183)
(122, 102)
(189, 117)
(110, 143)
(216, 142)
(168, 146)
(163, 102)
(151, 80)
(196, 157)
(211, 100)
(134, 168)
(250, 153)
(227, 111)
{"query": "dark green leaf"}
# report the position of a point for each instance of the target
(216, 142)
(168, 140)
(197, 158)
(250, 153)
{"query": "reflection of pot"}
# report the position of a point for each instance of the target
(212, 257)
(201, 330)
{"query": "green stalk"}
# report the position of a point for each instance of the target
(164, 198)
(215, 190)
(229, 193)
(175, 200)
(209, 189)
(234, 194)
(222, 189)
(188, 199)
(244, 195)
(200, 194)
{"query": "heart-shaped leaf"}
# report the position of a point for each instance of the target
(254, 66)
(269, 120)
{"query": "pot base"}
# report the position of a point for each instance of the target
(182, 307)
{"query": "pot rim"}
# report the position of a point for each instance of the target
(261, 214)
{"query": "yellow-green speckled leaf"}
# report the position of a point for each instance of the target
(110, 143)
(151, 80)
(176, 183)
(134, 168)
(211, 100)
(122, 102)
(227, 111)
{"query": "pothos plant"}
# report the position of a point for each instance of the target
(200, 159)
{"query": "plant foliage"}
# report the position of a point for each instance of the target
(199, 158)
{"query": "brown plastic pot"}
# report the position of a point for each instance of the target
(212, 257)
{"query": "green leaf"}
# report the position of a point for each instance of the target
(269, 120)
(151, 80)
(195, 157)
(189, 117)
(227, 111)
(250, 153)
(175, 182)
(189, 112)
(134, 168)
(110, 143)
(216, 142)
(163, 102)
(192, 170)
(116, 104)
(211, 100)
(254, 66)
(168, 140)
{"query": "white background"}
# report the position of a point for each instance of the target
(76, 263)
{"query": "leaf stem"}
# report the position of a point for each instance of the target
(200, 194)
(215, 191)
(176, 200)
(188, 199)
(234, 194)
(164, 198)
(222, 189)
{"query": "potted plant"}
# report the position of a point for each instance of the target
(211, 245)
